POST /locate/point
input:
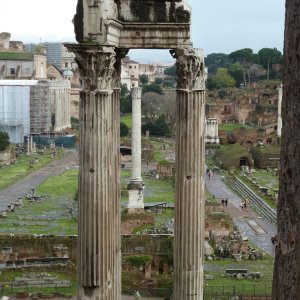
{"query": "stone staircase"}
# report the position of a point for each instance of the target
(262, 208)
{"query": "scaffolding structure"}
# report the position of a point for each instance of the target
(15, 108)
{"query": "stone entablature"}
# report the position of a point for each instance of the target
(123, 25)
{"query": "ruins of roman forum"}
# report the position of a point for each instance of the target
(105, 31)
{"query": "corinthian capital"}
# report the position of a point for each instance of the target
(191, 74)
(96, 65)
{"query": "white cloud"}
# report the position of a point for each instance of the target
(30, 20)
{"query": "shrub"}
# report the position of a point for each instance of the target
(138, 260)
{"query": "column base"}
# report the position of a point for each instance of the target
(136, 195)
(90, 293)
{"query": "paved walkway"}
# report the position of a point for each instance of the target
(257, 229)
(22, 187)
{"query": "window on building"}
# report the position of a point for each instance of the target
(12, 71)
(66, 65)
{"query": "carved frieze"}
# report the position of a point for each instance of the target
(191, 72)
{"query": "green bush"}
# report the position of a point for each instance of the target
(138, 260)
(4, 140)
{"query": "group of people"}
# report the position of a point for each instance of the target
(209, 173)
(245, 203)
(224, 202)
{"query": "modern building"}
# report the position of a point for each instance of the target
(57, 55)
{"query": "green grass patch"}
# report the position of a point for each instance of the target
(62, 185)
(13, 173)
(266, 179)
(231, 127)
(221, 282)
(228, 156)
(127, 119)
(50, 216)
(156, 190)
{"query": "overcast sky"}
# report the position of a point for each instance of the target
(217, 25)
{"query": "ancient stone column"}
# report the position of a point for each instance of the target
(136, 185)
(279, 118)
(99, 239)
(189, 205)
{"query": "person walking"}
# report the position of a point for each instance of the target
(226, 202)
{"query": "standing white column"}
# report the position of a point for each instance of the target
(189, 205)
(136, 185)
(136, 134)
(279, 118)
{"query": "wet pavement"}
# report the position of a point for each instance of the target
(257, 229)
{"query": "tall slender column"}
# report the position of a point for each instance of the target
(136, 185)
(279, 118)
(189, 206)
(99, 247)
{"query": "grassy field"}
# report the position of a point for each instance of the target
(221, 282)
(231, 127)
(266, 179)
(156, 190)
(52, 215)
(11, 174)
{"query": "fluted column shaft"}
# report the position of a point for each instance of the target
(189, 206)
(99, 246)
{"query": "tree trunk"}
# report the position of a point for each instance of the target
(286, 281)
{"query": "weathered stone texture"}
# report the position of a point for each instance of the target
(189, 206)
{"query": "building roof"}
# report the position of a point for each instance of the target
(127, 60)
(16, 55)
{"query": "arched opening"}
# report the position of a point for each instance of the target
(244, 161)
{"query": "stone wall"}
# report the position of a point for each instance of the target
(29, 246)
(5, 157)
